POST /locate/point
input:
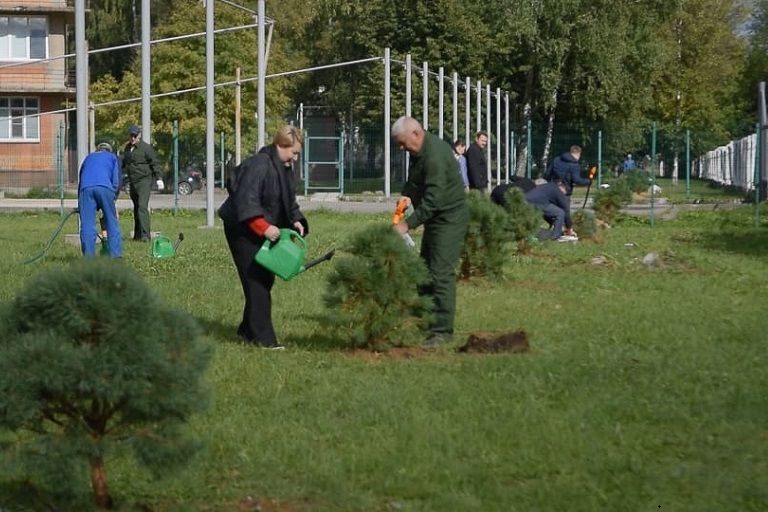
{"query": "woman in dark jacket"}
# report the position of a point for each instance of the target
(261, 200)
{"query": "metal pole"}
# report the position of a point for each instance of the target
(528, 157)
(262, 70)
(238, 112)
(763, 134)
(653, 169)
(498, 136)
(513, 153)
(81, 95)
(209, 112)
(467, 109)
(425, 95)
(440, 104)
(146, 56)
(59, 166)
(506, 136)
(756, 179)
(91, 127)
(175, 167)
(488, 147)
(599, 157)
(408, 106)
(479, 103)
(221, 157)
(455, 84)
(408, 87)
(387, 115)
(687, 164)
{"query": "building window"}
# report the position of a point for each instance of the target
(19, 119)
(23, 37)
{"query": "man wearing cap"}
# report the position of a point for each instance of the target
(139, 163)
(98, 190)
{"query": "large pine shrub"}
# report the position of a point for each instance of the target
(93, 364)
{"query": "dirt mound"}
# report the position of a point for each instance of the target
(482, 342)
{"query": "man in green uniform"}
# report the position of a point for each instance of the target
(437, 194)
(139, 163)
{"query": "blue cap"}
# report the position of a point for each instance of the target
(134, 130)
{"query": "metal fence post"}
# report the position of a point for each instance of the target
(528, 152)
(756, 180)
(599, 157)
(221, 155)
(687, 164)
(175, 167)
(653, 169)
(60, 165)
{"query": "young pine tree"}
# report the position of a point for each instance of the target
(523, 220)
(486, 248)
(92, 363)
(372, 294)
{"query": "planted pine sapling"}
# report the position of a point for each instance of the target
(372, 294)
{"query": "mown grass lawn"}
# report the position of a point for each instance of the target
(644, 387)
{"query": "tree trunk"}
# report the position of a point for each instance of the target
(522, 151)
(99, 483)
(548, 138)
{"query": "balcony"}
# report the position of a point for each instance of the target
(39, 6)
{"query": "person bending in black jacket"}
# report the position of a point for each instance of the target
(261, 200)
(550, 198)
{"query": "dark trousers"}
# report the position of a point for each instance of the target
(555, 216)
(256, 323)
(441, 249)
(140, 189)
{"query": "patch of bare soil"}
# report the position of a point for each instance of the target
(478, 342)
(484, 342)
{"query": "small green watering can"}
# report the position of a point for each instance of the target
(163, 247)
(104, 251)
(285, 257)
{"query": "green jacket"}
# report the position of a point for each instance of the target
(140, 162)
(434, 184)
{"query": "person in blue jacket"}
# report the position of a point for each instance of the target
(567, 170)
(100, 180)
(555, 207)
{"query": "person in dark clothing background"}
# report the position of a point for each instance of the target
(99, 186)
(477, 167)
(437, 195)
(140, 164)
(499, 193)
(567, 170)
(550, 198)
(262, 199)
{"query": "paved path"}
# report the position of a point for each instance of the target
(197, 201)
(365, 204)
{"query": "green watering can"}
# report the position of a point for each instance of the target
(163, 247)
(285, 256)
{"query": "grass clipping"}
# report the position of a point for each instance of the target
(372, 293)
